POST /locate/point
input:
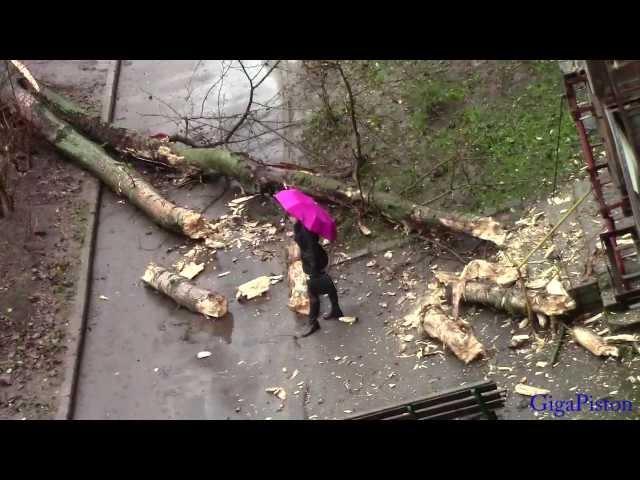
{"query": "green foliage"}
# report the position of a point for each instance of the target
(427, 97)
(497, 123)
(515, 139)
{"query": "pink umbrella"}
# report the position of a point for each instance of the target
(306, 210)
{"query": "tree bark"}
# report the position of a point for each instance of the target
(512, 299)
(298, 295)
(184, 292)
(256, 175)
(118, 176)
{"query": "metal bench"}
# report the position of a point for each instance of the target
(469, 402)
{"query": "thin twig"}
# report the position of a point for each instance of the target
(555, 171)
(422, 177)
(359, 158)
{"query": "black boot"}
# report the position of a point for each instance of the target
(312, 327)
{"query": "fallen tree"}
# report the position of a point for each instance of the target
(118, 176)
(495, 285)
(256, 175)
(184, 292)
(513, 299)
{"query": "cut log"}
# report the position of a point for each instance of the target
(431, 318)
(593, 342)
(255, 175)
(298, 295)
(118, 176)
(184, 292)
(481, 270)
(512, 300)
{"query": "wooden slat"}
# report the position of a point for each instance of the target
(452, 406)
(446, 396)
(495, 404)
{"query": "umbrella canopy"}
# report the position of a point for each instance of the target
(315, 218)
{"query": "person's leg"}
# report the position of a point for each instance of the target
(314, 308)
(328, 287)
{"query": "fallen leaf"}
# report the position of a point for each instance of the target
(203, 354)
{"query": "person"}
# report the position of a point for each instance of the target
(314, 262)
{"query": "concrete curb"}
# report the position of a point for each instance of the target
(78, 316)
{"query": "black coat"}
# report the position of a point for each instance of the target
(314, 258)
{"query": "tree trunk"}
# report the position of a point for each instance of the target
(254, 174)
(121, 178)
(184, 292)
(512, 299)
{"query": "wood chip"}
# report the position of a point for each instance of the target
(349, 320)
(622, 338)
(518, 341)
(253, 288)
(191, 270)
(278, 392)
(530, 391)
(364, 229)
